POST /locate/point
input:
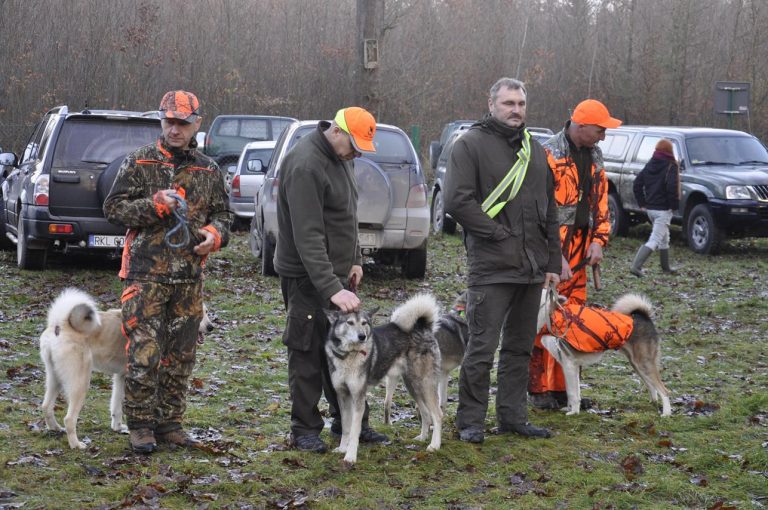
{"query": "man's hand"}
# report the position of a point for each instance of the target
(346, 301)
(206, 246)
(167, 200)
(565, 272)
(595, 253)
(551, 278)
(355, 276)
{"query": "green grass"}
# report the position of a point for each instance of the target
(712, 453)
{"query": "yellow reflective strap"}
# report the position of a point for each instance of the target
(514, 178)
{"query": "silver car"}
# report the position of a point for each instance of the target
(392, 209)
(248, 176)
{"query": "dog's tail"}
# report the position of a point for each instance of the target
(421, 310)
(633, 303)
(76, 308)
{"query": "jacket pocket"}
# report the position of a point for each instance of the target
(475, 319)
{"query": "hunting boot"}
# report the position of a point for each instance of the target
(664, 259)
(642, 255)
(142, 440)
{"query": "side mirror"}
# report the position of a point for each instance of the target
(682, 165)
(255, 165)
(200, 139)
(7, 159)
(434, 152)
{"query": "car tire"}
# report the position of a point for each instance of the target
(254, 238)
(702, 234)
(440, 221)
(619, 217)
(267, 254)
(415, 263)
(5, 243)
(26, 257)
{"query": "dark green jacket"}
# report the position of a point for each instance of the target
(317, 215)
(522, 242)
(132, 203)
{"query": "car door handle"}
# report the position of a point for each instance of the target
(66, 178)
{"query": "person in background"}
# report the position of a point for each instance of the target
(581, 193)
(319, 262)
(162, 299)
(501, 191)
(657, 191)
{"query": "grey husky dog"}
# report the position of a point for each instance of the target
(79, 339)
(360, 355)
(641, 349)
(452, 335)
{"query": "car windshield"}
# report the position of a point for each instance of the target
(101, 141)
(263, 154)
(726, 150)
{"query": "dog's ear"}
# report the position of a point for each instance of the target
(373, 311)
(331, 314)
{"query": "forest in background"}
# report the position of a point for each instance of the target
(650, 61)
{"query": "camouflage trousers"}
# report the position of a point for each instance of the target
(160, 322)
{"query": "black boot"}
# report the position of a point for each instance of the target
(642, 255)
(664, 259)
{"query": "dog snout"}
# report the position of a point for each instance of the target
(361, 337)
(209, 327)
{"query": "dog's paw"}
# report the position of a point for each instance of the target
(78, 445)
(350, 459)
(431, 448)
(123, 429)
(420, 437)
(339, 449)
(571, 413)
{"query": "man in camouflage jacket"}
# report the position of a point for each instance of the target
(162, 294)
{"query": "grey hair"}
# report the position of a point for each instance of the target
(510, 83)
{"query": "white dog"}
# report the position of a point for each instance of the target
(78, 340)
(642, 349)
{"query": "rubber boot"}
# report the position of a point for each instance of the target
(664, 259)
(642, 255)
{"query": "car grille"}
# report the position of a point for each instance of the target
(762, 191)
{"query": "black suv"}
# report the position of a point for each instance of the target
(724, 177)
(52, 199)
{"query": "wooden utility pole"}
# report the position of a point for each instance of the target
(369, 16)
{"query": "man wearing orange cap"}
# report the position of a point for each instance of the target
(162, 267)
(581, 193)
(319, 260)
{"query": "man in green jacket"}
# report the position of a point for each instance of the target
(318, 259)
(501, 191)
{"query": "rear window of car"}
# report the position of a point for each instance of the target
(254, 129)
(98, 142)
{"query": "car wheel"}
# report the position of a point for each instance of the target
(619, 217)
(703, 235)
(25, 257)
(5, 243)
(415, 263)
(441, 222)
(254, 238)
(267, 254)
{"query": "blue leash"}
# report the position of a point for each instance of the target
(181, 216)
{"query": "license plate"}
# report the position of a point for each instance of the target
(97, 241)
(366, 240)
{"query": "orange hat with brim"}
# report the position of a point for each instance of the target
(591, 111)
(360, 125)
(181, 105)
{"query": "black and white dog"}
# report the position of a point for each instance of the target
(361, 355)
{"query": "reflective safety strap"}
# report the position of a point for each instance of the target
(513, 179)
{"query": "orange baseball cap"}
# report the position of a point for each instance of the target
(360, 125)
(180, 104)
(591, 111)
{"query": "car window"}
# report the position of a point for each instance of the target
(391, 147)
(728, 150)
(101, 141)
(278, 126)
(648, 145)
(614, 145)
(263, 154)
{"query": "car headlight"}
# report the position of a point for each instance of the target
(737, 193)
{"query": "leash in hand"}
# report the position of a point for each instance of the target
(182, 224)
